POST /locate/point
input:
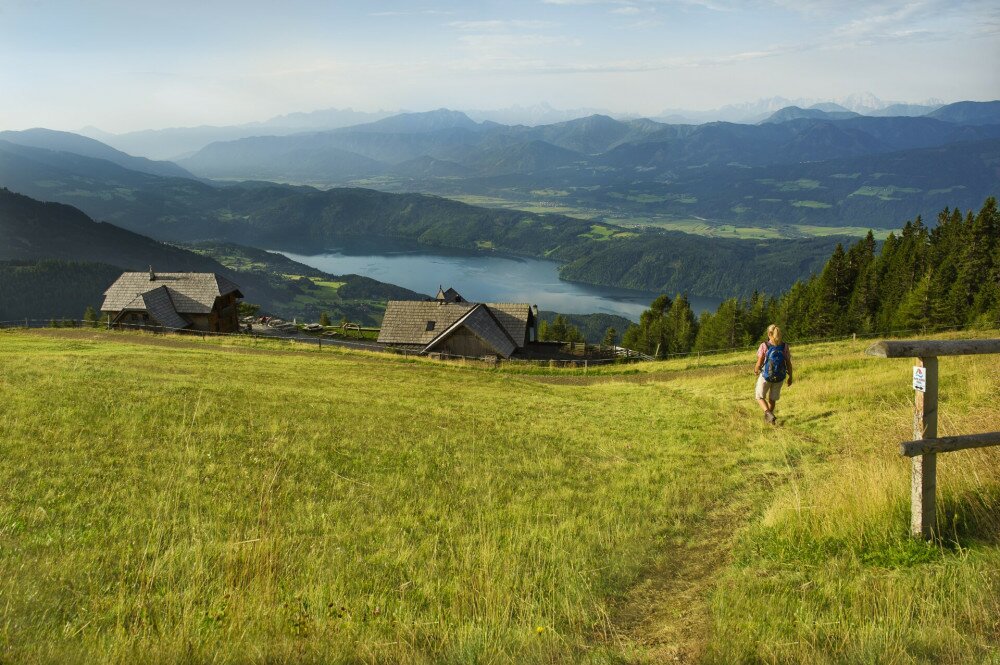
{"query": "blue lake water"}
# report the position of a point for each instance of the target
(480, 277)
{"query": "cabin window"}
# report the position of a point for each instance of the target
(430, 326)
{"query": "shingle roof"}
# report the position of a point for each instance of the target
(483, 325)
(189, 292)
(405, 321)
(502, 326)
(159, 305)
(514, 318)
(451, 295)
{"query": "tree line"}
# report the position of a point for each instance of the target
(921, 279)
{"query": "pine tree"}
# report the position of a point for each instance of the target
(828, 311)
(863, 303)
(721, 330)
(558, 331)
(681, 326)
(610, 337)
(914, 312)
(976, 264)
(651, 335)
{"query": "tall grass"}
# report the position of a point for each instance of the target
(232, 504)
(830, 573)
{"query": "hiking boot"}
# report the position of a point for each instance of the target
(769, 418)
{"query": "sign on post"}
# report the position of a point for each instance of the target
(926, 444)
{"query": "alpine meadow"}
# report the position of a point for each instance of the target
(609, 332)
(316, 506)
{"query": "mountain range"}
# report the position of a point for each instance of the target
(613, 169)
(822, 166)
(179, 142)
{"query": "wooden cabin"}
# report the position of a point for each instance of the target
(451, 325)
(201, 301)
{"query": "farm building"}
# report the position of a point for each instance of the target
(451, 325)
(176, 300)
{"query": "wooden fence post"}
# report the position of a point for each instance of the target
(923, 484)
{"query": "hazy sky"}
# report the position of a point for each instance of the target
(124, 65)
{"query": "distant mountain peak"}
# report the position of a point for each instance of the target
(969, 113)
(796, 113)
(420, 122)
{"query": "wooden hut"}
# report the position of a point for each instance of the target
(173, 300)
(451, 325)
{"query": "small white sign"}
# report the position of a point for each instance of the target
(920, 379)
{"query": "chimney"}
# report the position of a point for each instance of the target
(152, 275)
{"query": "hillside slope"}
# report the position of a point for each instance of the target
(308, 220)
(38, 238)
(331, 506)
(49, 139)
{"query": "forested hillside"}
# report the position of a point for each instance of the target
(42, 239)
(52, 289)
(309, 220)
(921, 279)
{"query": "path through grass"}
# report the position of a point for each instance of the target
(175, 502)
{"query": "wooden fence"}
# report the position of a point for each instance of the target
(616, 355)
(926, 444)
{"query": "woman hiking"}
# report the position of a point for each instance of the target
(774, 364)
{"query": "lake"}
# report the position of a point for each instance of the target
(480, 277)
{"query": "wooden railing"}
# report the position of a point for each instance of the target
(926, 444)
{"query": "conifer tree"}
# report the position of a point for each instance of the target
(914, 312)
(610, 337)
(828, 312)
(680, 326)
(558, 331)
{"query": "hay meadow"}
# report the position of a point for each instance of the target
(166, 500)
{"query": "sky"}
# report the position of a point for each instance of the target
(127, 65)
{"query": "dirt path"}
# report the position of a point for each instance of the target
(667, 615)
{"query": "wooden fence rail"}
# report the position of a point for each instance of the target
(918, 348)
(926, 445)
(949, 444)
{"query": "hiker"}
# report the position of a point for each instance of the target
(774, 363)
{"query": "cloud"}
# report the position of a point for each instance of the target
(525, 65)
(499, 26)
(627, 10)
(643, 24)
(494, 41)
(419, 12)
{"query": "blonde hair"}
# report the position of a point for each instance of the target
(774, 333)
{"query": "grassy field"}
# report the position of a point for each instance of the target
(550, 202)
(172, 500)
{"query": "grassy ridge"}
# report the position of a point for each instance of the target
(166, 500)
